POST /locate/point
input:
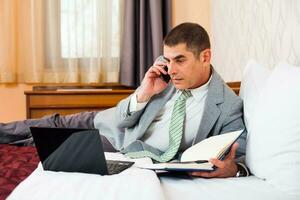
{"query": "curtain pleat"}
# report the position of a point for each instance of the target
(145, 24)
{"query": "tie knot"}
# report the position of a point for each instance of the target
(185, 94)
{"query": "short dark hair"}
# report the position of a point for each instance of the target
(193, 35)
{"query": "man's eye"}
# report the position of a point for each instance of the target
(179, 61)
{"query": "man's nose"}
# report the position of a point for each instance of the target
(171, 68)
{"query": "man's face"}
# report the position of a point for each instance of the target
(186, 70)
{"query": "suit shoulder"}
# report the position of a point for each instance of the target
(230, 94)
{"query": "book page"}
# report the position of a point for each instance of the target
(210, 147)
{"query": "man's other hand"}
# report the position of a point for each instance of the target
(225, 168)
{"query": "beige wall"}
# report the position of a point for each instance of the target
(12, 98)
(192, 11)
(12, 102)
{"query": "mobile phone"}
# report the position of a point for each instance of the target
(161, 60)
(165, 77)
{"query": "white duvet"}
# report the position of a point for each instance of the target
(135, 183)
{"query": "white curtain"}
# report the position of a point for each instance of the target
(8, 41)
(65, 41)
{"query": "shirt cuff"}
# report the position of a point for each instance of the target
(246, 171)
(134, 105)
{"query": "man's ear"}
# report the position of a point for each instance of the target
(206, 55)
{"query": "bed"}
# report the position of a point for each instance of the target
(16, 164)
(272, 114)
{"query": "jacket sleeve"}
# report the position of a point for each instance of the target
(234, 121)
(127, 119)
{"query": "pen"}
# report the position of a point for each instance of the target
(195, 161)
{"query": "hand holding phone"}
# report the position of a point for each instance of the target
(151, 83)
(162, 61)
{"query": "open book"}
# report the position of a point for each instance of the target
(196, 157)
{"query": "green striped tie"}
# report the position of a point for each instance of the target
(175, 132)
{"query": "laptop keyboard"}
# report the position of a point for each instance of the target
(115, 167)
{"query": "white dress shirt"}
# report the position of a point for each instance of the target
(157, 134)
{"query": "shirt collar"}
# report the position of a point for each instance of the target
(198, 92)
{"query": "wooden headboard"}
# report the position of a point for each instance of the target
(235, 86)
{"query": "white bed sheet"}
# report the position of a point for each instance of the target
(245, 188)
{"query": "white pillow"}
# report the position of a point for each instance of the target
(273, 148)
(254, 78)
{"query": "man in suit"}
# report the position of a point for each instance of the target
(142, 122)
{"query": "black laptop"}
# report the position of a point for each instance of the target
(86, 156)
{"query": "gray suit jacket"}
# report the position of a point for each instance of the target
(222, 113)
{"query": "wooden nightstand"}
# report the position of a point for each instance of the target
(44, 101)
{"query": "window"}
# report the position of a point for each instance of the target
(90, 28)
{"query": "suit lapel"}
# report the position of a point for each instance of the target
(211, 112)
